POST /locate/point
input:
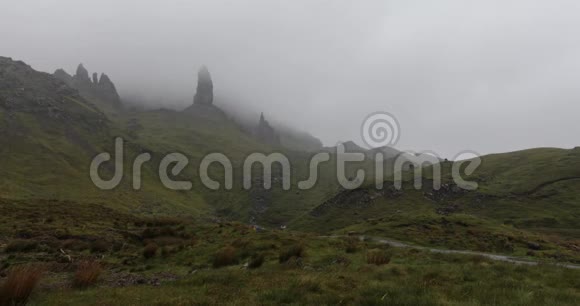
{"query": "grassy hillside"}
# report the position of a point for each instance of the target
(51, 133)
(191, 261)
(535, 214)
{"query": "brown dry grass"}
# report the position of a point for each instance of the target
(378, 257)
(150, 250)
(87, 274)
(19, 285)
(225, 257)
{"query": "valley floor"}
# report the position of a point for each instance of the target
(333, 277)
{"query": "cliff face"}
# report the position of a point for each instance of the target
(100, 89)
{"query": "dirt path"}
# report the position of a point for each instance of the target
(550, 183)
(498, 257)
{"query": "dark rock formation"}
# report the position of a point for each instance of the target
(204, 93)
(203, 106)
(108, 89)
(102, 91)
(82, 74)
(355, 199)
(63, 76)
(265, 132)
(42, 96)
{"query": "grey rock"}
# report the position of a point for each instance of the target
(204, 92)
(266, 133)
(82, 74)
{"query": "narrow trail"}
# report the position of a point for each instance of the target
(545, 184)
(492, 256)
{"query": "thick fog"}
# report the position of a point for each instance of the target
(487, 75)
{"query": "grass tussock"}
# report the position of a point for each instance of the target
(87, 274)
(378, 257)
(21, 246)
(100, 246)
(294, 251)
(256, 261)
(351, 245)
(74, 245)
(19, 285)
(150, 250)
(225, 257)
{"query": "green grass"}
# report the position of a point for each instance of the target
(182, 271)
(411, 279)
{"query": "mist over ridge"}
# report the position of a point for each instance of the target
(446, 70)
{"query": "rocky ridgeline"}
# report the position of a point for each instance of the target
(24, 90)
(101, 88)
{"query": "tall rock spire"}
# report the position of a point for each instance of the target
(266, 133)
(82, 73)
(204, 93)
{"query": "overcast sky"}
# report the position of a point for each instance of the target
(486, 75)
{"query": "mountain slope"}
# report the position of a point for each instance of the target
(50, 135)
(524, 199)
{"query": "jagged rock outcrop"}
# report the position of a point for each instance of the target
(82, 74)
(101, 91)
(204, 92)
(266, 133)
(108, 89)
(63, 76)
(42, 96)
